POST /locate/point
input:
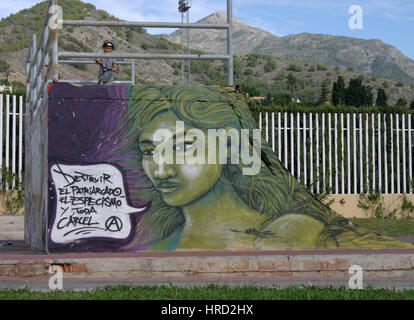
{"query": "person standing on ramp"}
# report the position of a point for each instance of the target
(108, 65)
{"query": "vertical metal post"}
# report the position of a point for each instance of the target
(342, 155)
(348, 144)
(361, 150)
(336, 155)
(182, 51)
(410, 155)
(397, 131)
(292, 147)
(366, 151)
(379, 155)
(323, 154)
(133, 73)
(55, 61)
(188, 47)
(318, 180)
(354, 143)
(279, 136)
(298, 143)
(311, 149)
(373, 152)
(404, 171)
(14, 131)
(392, 153)
(385, 155)
(285, 149)
(273, 131)
(267, 127)
(1, 132)
(20, 138)
(7, 151)
(305, 174)
(229, 43)
(330, 149)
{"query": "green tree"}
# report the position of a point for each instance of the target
(402, 102)
(4, 66)
(282, 99)
(338, 92)
(292, 81)
(357, 94)
(412, 105)
(381, 98)
(237, 68)
(324, 92)
(270, 64)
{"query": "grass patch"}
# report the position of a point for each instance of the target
(211, 292)
(390, 227)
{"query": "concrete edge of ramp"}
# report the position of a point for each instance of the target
(235, 266)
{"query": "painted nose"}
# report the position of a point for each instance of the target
(163, 171)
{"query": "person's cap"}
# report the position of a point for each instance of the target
(108, 43)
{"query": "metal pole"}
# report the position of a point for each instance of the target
(86, 23)
(182, 50)
(133, 73)
(188, 46)
(229, 43)
(55, 61)
(145, 56)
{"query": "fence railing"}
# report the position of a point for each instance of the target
(345, 153)
(11, 137)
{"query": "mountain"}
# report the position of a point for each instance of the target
(245, 38)
(371, 57)
(16, 31)
(265, 73)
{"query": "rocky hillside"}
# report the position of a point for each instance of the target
(264, 72)
(371, 57)
(17, 29)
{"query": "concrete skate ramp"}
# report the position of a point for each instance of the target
(126, 173)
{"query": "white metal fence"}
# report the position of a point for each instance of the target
(346, 153)
(11, 137)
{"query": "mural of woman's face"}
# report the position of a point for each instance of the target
(179, 184)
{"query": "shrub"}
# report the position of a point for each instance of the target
(4, 66)
(13, 201)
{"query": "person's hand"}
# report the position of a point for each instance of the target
(98, 61)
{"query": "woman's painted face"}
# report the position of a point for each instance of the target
(179, 184)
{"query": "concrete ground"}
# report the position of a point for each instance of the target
(134, 269)
(11, 228)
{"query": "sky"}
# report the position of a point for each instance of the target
(387, 20)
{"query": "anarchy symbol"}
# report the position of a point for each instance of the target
(113, 224)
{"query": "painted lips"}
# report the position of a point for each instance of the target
(167, 187)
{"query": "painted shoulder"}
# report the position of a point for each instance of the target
(296, 231)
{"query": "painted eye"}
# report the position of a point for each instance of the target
(148, 152)
(184, 146)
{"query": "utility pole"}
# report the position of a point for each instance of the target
(184, 7)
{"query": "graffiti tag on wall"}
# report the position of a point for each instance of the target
(91, 202)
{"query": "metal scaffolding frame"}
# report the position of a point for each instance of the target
(44, 57)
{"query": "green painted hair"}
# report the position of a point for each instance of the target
(273, 192)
